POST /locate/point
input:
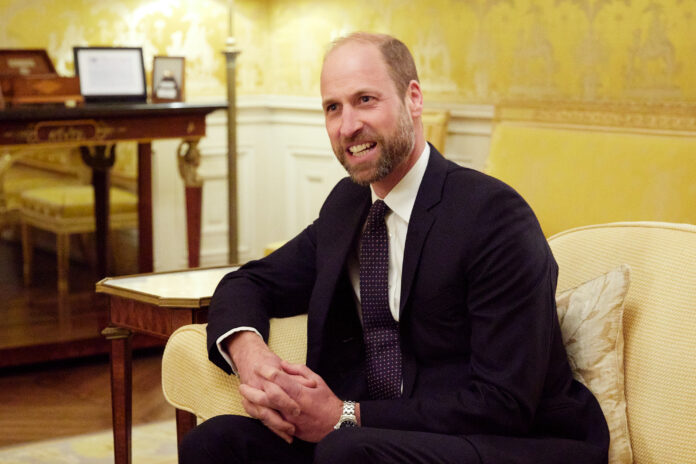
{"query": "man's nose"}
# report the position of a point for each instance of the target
(350, 123)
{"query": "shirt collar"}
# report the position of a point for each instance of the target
(403, 196)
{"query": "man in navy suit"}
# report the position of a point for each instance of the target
(470, 349)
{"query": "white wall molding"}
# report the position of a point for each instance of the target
(285, 170)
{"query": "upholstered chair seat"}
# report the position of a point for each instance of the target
(66, 210)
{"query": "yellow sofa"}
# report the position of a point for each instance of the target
(649, 367)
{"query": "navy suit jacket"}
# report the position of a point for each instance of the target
(482, 350)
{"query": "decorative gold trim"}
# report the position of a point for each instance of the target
(189, 158)
(116, 333)
(70, 131)
(659, 117)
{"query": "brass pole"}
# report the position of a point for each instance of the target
(231, 52)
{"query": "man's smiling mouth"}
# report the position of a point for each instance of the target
(363, 148)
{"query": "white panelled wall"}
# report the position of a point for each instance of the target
(285, 170)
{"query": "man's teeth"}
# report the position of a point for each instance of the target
(358, 148)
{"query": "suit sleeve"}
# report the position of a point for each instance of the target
(278, 285)
(510, 279)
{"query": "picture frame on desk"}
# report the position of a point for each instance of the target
(168, 79)
(111, 74)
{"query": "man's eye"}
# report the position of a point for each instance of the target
(331, 108)
(365, 99)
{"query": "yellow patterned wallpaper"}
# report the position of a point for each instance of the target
(485, 50)
(190, 28)
(466, 50)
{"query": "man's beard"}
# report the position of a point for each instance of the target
(394, 149)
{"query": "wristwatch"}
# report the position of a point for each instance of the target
(347, 418)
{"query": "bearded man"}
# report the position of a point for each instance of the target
(430, 294)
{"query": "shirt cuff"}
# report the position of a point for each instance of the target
(221, 339)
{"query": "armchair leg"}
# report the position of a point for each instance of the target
(63, 256)
(27, 253)
(185, 421)
(86, 252)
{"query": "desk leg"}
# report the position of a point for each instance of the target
(121, 391)
(100, 158)
(145, 251)
(189, 159)
(194, 199)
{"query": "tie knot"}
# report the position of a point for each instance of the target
(377, 211)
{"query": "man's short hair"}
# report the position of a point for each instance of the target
(398, 58)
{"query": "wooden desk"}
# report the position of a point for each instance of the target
(95, 129)
(157, 305)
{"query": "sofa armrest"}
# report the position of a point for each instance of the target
(190, 382)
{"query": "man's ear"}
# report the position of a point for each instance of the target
(414, 99)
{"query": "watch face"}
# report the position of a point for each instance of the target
(348, 423)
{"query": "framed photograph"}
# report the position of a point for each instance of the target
(168, 79)
(111, 74)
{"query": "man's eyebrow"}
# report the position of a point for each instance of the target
(355, 94)
(370, 91)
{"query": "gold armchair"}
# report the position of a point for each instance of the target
(67, 208)
(25, 169)
(435, 125)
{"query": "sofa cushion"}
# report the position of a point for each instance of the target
(591, 316)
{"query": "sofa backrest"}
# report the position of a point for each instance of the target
(659, 326)
(587, 166)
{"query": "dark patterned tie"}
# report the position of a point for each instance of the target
(383, 352)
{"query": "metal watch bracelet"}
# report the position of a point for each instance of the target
(348, 418)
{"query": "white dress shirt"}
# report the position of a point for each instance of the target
(400, 201)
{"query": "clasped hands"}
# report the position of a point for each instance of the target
(290, 399)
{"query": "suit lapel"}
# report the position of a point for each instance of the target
(343, 234)
(343, 226)
(422, 218)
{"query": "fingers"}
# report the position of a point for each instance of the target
(271, 397)
(270, 419)
(305, 382)
(300, 370)
(289, 384)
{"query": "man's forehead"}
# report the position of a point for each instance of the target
(358, 62)
(351, 46)
(353, 53)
